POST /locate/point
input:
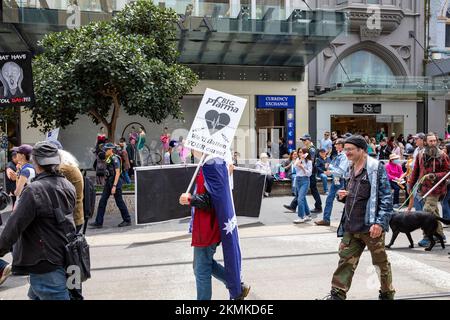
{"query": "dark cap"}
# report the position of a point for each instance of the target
(409, 151)
(109, 145)
(173, 143)
(25, 149)
(419, 135)
(15, 149)
(347, 135)
(358, 141)
(306, 136)
(322, 150)
(46, 153)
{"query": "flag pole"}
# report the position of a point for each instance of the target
(196, 172)
(437, 184)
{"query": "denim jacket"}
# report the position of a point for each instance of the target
(339, 165)
(379, 207)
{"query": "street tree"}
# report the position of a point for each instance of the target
(128, 63)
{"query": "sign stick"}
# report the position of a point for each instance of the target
(442, 180)
(196, 172)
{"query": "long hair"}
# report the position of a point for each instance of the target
(68, 159)
(306, 151)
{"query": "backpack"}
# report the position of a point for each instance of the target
(88, 198)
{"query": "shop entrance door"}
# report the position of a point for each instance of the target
(270, 127)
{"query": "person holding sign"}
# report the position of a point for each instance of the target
(212, 207)
(213, 215)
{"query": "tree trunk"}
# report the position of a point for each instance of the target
(110, 126)
(114, 116)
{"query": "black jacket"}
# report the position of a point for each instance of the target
(40, 222)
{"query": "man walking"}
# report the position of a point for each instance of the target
(337, 170)
(432, 165)
(112, 186)
(214, 222)
(365, 220)
(39, 225)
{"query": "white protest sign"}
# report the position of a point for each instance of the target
(215, 123)
(52, 135)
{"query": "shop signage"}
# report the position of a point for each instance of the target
(215, 123)
(368, 108)
(290, 115)
(16, 79)
(275, 102)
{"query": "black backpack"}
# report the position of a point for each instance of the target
(88, 198)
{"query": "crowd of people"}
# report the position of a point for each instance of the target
(366, 173)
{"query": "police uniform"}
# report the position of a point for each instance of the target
(112, 163)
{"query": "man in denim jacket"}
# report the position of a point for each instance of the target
(365, 220)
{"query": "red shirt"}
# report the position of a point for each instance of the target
(439, 167)
(205, 228)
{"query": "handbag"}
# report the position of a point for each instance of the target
(77, 253)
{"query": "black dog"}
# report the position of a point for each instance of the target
(408, 222)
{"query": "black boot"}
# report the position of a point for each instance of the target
(333, 295)
(386, 295)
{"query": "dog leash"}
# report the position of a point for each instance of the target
(413, 191)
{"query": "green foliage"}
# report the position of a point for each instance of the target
(128, 62)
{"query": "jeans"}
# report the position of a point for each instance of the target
(418, 205)
(269, 183)
(49, 286)
(204, 267)
(396, 189)
(314, 191)
(119, 202)
(446, 205)
(330, 199)
(126, 177)
(324, 178)
(302, 189)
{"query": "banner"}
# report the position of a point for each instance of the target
(158, 190)
(16, 79)
(215, 123)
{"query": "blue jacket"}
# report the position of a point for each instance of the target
(339, 165)
(379, 207)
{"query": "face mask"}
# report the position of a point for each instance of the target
(396, 161)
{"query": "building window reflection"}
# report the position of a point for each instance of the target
(363, 65)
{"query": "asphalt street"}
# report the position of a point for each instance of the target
(280, 261)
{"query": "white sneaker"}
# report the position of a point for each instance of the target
(307, 218)
(299, 220)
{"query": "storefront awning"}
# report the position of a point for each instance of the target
(293, 42)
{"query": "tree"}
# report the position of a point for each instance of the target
(129, 62)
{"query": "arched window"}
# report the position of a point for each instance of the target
(363, 65)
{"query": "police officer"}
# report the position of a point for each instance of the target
(113, 186)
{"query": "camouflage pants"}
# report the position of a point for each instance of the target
(350, 250)
(431, 206)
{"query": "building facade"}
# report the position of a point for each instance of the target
(358, 83)
(438, 69)
(255, 49)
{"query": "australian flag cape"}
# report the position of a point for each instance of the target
(216, 176)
